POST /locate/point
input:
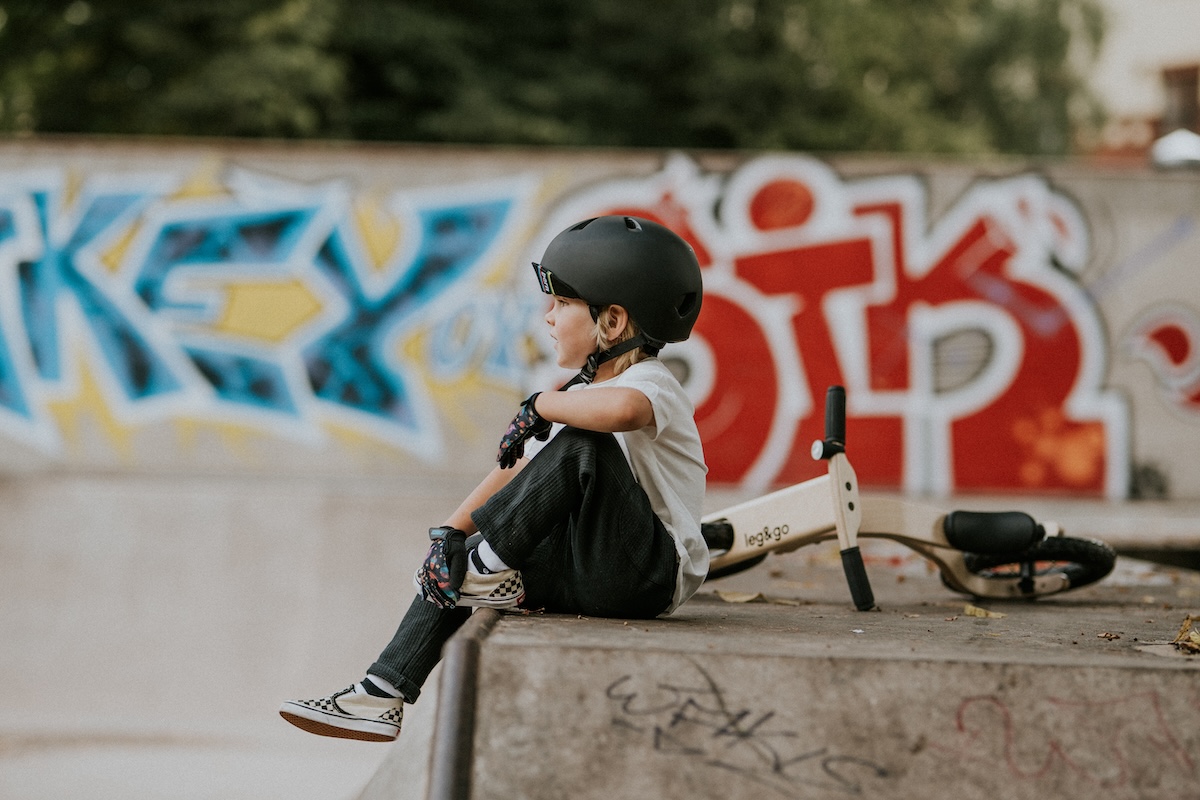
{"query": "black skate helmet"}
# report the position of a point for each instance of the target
(637, 264)
(640, 265)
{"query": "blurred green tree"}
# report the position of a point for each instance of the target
(203, 67)
(936, 76)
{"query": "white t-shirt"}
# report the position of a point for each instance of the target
(667, 461)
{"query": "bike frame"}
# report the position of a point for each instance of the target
(830, 506)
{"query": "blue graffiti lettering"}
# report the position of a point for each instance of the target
(165, 293)
(229, 238)
(244, 380)
(249, 241)
(141, 372)
(351, 364)
(12, 395)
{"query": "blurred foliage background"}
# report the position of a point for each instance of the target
(931, 76)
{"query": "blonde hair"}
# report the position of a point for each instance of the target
(604, 341)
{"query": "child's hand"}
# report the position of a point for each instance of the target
(441, 576)
(526, 423)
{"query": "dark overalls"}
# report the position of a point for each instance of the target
(583, 535)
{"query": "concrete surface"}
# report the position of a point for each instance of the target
(152, 627)
(769, 684)
(1061, 699)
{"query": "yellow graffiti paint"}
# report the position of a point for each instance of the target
(114, 256)
(235, 439)
(72, 187)
(380, 231)
(267, 310)
(89, 403)
(205, 181)
(363, 447)
(448, 394)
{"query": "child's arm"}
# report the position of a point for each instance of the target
(605, 409)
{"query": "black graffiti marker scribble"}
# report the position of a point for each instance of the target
(693, 718)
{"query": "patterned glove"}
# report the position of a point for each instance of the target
(526, 423)
(441, 576)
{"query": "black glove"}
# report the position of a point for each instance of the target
(441, 576)
(526, 423)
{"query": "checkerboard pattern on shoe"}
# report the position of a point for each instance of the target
(348, 714)
(503, 589)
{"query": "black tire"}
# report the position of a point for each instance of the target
(1082, 561)
(734, 568)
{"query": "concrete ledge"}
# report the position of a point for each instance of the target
(404, 772)
(450, 758)
(767, 700)
(432, 757)
(769, 684)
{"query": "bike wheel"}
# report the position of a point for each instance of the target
(1082, 561)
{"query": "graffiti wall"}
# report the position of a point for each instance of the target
(1000, 329)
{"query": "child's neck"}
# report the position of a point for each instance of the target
(607, 372)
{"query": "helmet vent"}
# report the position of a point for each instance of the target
(632, 224)
(581, 225)
(686, 304)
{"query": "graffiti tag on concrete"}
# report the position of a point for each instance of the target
(691, 716)
(1121, 743)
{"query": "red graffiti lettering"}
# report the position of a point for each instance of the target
(971, 355)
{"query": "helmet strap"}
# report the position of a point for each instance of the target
(588, 373)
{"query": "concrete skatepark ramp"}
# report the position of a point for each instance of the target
(153, 626)
(778, 697)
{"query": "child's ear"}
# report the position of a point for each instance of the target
(618, 319)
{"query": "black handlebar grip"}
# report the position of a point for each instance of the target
(835, 414)
(718, 534)
(856, 576)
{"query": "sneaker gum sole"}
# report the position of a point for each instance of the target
(492, 591)
(488, 602)
(321, 728)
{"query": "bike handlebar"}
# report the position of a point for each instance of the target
(835, 415)
(835, 425)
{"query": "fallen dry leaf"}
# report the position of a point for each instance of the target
(741, 597)
(1188, 639)
(1108, 636)
(976, 611)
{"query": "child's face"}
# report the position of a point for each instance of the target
(573, 331)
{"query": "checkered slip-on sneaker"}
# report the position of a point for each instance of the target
(347, 715)
(503, 589)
